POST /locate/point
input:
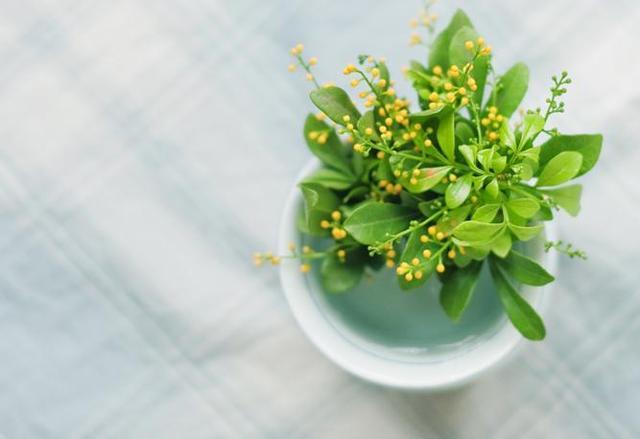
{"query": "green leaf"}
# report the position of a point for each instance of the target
(476, 232)
(522, 315)
(331, 179)
(335, 103)
(526, 270)
(446, 135)
(464, 133)
(423, 116)
(486, 213)
(507, 137)
(589, 145)
(453, 218)
(512, 87)
(374, 222)
(458, 54)
(368, 121)
(493, 189)
(567, 197)
(485, 157)
(439, 53)
(457, 289)
(533, 123)
(319, 203)
(337, 276)
(562, 168)
(502, 244)
(427, 179)
(457, 192)
(524, 207)
(332, 152)
(524, 233)
(498, 163)
(469, 154)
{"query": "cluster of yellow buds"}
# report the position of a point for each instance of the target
(435, 233)
(261, 258)
(350, 68)
(492, 123)
(390, 255)
(296, 51)
(415, 39)
(410, 271)
(337, 231)
(389, 187)
(319, 136)
(479, 45)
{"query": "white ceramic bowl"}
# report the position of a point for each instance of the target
(374, 333)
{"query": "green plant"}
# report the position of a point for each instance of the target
(446, 188)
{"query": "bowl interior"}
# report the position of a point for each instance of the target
(401, 338)
(409, 326)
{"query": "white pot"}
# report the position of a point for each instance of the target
(378, 333)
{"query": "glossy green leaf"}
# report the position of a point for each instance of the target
(493, 189)
(486, 213)
(464, 133)
(567, 197)
(469, 153)
(524, 207)
(560, 169)
(525, 233)
(522, 315)
(501, 245)
(331, 179)
(499, 162)
(458, 54)
(512, 87)
(588, 145)
(338, 276)
(332, 152)
(335, 103)
(319, 203)
(453, 218)
(507, 137)
(423, 116)
(525, 270)
(439, 53)
(476, 232)
(375, 222)
(457, 192)
(457, 289)
(427, 179)
(532, 124)
(446, 135)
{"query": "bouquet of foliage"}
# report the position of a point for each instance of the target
(444, 189)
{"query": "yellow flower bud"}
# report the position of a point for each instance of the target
(426, 253)
(440, 268)
(424, 239)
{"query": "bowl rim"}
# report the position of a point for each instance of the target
(385, 371)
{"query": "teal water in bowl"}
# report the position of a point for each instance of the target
(410, 326)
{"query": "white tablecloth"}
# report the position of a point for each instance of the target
(146, 149)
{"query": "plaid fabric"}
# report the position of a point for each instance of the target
(146, 149)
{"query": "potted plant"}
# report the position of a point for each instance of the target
(448, 198)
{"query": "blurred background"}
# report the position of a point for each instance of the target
(146, 150)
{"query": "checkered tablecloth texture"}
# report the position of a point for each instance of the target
(146, 150)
